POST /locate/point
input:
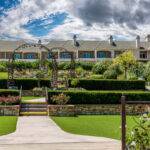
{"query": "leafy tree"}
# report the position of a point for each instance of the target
(126, 60)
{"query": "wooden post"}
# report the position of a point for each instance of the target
(123, 122)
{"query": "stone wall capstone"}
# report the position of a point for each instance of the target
(108, 109)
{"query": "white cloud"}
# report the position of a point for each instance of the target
(28, 10)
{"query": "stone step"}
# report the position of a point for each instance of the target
(33, 105)
(33, 113)
(33, 109)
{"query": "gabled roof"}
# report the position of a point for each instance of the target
(83, 45)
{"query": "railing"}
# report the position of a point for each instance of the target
(123, 118)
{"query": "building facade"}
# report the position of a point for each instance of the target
(85, 51)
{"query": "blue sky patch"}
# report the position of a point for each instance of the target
(7, 4)
(42, 26)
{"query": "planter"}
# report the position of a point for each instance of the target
(61, 110)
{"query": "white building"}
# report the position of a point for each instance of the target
(84, 51)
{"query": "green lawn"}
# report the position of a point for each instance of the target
(7, 124)
(24, 98)
(3, 75)
(95, 125)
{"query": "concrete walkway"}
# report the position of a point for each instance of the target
(41, 133)
(37, 100)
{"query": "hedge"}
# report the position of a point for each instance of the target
(4, 92)
(27, 84)
(100, 97)
(96, 84)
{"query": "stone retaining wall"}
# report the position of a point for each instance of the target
(9, 110)
(54, 110)
(61, 110)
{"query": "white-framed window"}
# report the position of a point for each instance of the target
(143, 54)
(30, 56)
(65, 55)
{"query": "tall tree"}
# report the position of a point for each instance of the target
(126, 60)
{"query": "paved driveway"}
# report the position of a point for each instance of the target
(41, 133)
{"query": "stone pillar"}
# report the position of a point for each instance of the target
(95, 53)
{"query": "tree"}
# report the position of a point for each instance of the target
(126, 60)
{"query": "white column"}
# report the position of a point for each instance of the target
(95, 53)
(58, 55)
(112, 54)
(77, 54)
(5, 55)
(22, 55)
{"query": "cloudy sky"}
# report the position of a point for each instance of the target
(61, 19)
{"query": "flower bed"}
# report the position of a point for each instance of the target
(9, 100)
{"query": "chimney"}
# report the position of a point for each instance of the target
(148, 38)
(76, 43)
(137, 41)
(111, 40)
(75, 39)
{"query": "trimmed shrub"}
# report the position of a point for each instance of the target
(113, 71)
(86, 65)
(100, 97)
(4, 92)
(27, 84)
(3, 83)
(111, 84)
(101, 67)
(64, 65)
(96, 76)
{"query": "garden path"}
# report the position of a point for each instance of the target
(40, 132)
(38, 100)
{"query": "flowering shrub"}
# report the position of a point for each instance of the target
(60, 99)
(10, 100)
(139, 138)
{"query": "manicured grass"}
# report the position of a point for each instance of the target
(7, 124)
(24, 98)
(95, 125)
(3, 75)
